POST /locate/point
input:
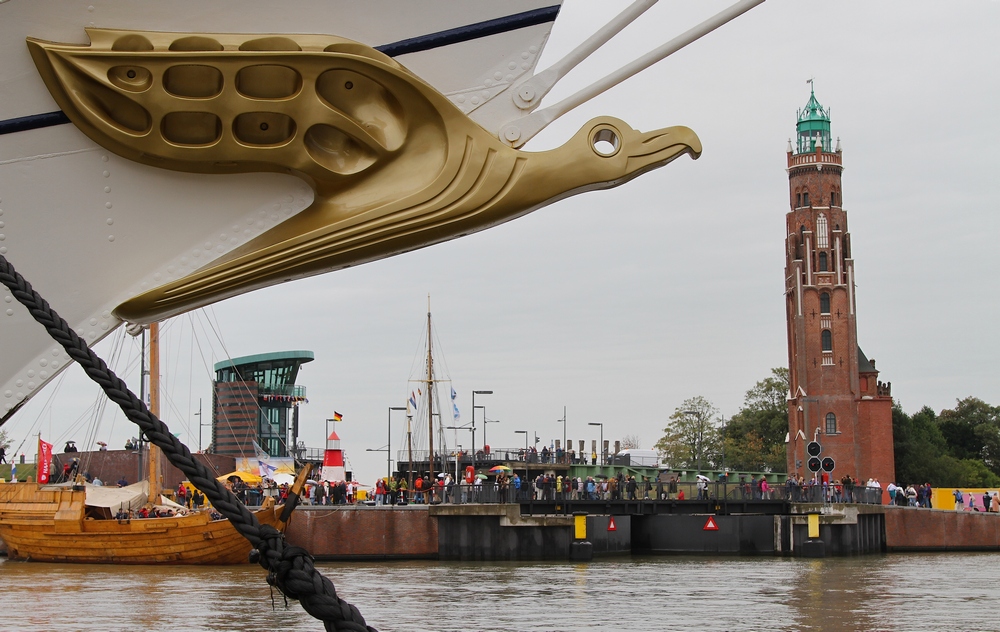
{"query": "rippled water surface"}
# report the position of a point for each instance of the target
(898, 592)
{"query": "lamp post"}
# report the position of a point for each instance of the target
(463, 427)
(701, 433)
(487, 421)
(474, 393)
(388, 454)
(602, 440)
(200, 425)
(525, 433)
(388, 440)
(474, 426)
(563, 420)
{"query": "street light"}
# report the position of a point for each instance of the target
(388, 454)
(602, 440)
(200, 425)
(525, 433)
(563, 420)
(474, 425)
(701, 433)
(474, 393)
(487, 421)
(465, 427)
(388, 445)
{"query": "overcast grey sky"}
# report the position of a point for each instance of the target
(621, 304)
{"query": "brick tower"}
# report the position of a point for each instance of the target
(835, 396)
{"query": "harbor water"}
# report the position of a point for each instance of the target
(942, 591)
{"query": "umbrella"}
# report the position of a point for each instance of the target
(481, 476)
(702, 477)
(281, 478)
(246, 477)
(102, 443)
(310, 481)
(500, 468)
(442, 475)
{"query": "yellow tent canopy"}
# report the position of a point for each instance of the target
(247, 477)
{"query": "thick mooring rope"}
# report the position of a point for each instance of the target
(290, 568)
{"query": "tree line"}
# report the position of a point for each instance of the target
(957, 447)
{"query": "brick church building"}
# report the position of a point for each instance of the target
(835, 396)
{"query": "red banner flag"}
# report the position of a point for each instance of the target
(44, 461)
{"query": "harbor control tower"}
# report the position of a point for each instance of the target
(255, 398)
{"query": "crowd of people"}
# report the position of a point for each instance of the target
(330, 493)
(990, 501)
(821, 488)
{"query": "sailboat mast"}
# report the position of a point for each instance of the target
(409, 447)
(430, 395)
(154, 474)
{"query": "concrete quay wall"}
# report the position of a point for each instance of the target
(500, 532)
(911, 529)
(449, 532)
(364, 533)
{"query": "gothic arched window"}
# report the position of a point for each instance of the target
(831, 423)
(824, 303)
(827, 339)
(822, 232)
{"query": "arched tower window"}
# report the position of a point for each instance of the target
(805, 199)
(824, 303)
(827, 339)
(831, 423)
(822, 232)
(823, 266)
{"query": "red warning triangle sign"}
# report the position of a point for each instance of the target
(611, 524)
(710, 525)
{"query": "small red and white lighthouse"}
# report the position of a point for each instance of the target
(333, 460)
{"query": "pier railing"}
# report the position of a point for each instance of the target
(487, 491)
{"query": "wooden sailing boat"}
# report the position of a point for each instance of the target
(45, 523)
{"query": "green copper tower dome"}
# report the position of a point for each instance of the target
(813, 126)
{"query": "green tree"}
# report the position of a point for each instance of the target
(692, 439)
(972, 431)
(755, 436)
(923, 454)
(631, 442)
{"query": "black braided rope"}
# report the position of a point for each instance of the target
(290, 568)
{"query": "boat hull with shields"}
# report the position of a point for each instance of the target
(51, 524)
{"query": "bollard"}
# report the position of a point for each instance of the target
(580, 550)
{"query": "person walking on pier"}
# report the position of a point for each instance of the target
(959, 505)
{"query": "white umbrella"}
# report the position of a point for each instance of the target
(702, 477)
(281, 478)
